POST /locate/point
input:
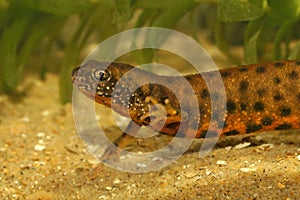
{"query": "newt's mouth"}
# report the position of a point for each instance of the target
(74, 74)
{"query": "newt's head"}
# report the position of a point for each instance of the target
(97, 80)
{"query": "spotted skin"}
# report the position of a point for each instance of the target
(260, 97)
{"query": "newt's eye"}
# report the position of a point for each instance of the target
(102, 75)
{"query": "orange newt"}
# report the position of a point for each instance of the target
(260, 97)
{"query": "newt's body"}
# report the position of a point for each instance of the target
(260, 97)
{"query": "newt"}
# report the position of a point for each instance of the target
(259, 97)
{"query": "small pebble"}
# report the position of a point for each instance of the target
(102, 197)
(39, 147)
(93, 161)
(248, 169)
(40, 134)
(41, 141)
(25, 119)
(280, 185)
(228, 148)
(208, 172)
(108, 188)
(264, 147)
(157, 159)
(141, 165)
(116, 181)
(45, 113)
(221, 162)
(242, 145)
(298, 157)
(191, 174)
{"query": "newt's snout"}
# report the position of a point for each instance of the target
(74, 73)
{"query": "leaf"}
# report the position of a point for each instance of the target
(62, 7)
(124, 10)
(222, 42)
(251, 48)
(3, 4)
(281, 35)
(9, 43)
(285, 9)
(238, 10)
(295, 52)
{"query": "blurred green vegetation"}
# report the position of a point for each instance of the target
(43, 35)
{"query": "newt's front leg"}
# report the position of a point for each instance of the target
(115, 149)
(157, 115)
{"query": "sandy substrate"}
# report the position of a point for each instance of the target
(42, 157)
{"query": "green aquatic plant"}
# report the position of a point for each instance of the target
(268, 21)
(32, 31)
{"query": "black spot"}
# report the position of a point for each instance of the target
(173, 125)
(277, 97)
(232, 132)
(225, 74)
(146, 121)
(277, 80)
(293, 75)
(243, 86)
(243, 106)
(285, 111)
(298, 97)
(283, 126)
(230, 106)
(266, 121)
(163, 99)
(253, 127)
(202, 110)
(204, 94)
(225, 124)
(243, 69)
(151, 86)
(297, 62)
(139, 92)
(278, 64)
(261, 69)
(259, 106)
(261, 92)
(203, 134)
